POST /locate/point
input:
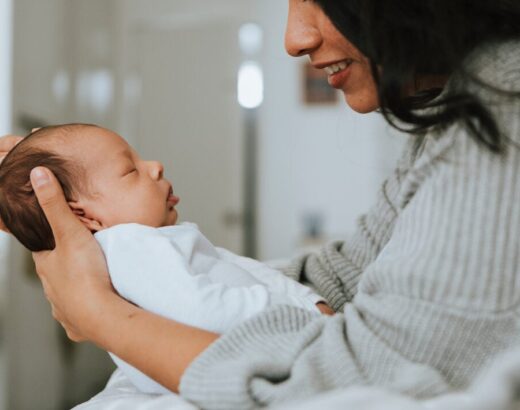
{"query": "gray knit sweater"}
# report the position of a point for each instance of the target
(426, 291)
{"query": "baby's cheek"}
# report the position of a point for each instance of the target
(154, 214)
(129, 212)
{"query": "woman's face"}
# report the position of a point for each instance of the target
(310, 32)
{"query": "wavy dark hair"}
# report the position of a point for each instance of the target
(428, 37)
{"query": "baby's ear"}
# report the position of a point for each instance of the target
(92, 225)
(76, 208)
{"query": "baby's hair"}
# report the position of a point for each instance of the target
(19, 208)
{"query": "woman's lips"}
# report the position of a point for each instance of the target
(338, 80)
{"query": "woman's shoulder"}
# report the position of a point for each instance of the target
(491, 73)
(497, 63)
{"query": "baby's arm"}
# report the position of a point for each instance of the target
(148, 269)
(275, 280)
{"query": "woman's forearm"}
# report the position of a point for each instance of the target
(160, 348)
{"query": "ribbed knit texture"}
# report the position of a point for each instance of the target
(428, 289)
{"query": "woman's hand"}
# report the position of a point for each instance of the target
(7, 143)
(74, 275)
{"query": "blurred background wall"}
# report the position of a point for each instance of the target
(268, 181)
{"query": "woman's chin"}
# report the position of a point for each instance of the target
(362, 104)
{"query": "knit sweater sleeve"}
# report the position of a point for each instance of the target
(335, 270)
(437, 302)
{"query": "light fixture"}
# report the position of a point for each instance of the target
(250, 85)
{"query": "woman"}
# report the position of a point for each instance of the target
(426, 291)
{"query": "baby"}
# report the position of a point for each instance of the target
(167, 268)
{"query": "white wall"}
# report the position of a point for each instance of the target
(326, 160)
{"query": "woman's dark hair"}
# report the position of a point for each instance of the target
(428, 37)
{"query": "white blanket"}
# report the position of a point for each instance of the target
(121, 394)
(497, 388)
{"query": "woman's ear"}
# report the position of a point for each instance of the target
(92, 224)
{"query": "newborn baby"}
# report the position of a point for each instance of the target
(171, 270)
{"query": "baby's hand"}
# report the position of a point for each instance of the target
(325, 309)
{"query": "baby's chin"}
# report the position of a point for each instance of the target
(169, 224)
(171, 219)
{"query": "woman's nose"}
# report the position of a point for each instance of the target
(302, 36)
(156, 170)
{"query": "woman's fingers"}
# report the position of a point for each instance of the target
(50, 196)
(7, 142)
(74, 274)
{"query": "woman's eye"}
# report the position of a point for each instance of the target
(131, 172)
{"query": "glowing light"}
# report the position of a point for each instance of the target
(95, 90)
(250, 85)
(250, 38)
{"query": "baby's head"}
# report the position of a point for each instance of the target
(103, 179)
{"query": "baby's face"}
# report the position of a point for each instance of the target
(122, 187)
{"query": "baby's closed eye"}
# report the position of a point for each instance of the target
(130, 172)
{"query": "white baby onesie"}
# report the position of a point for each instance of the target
(177, 273)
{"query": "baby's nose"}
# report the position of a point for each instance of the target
(157, 169)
